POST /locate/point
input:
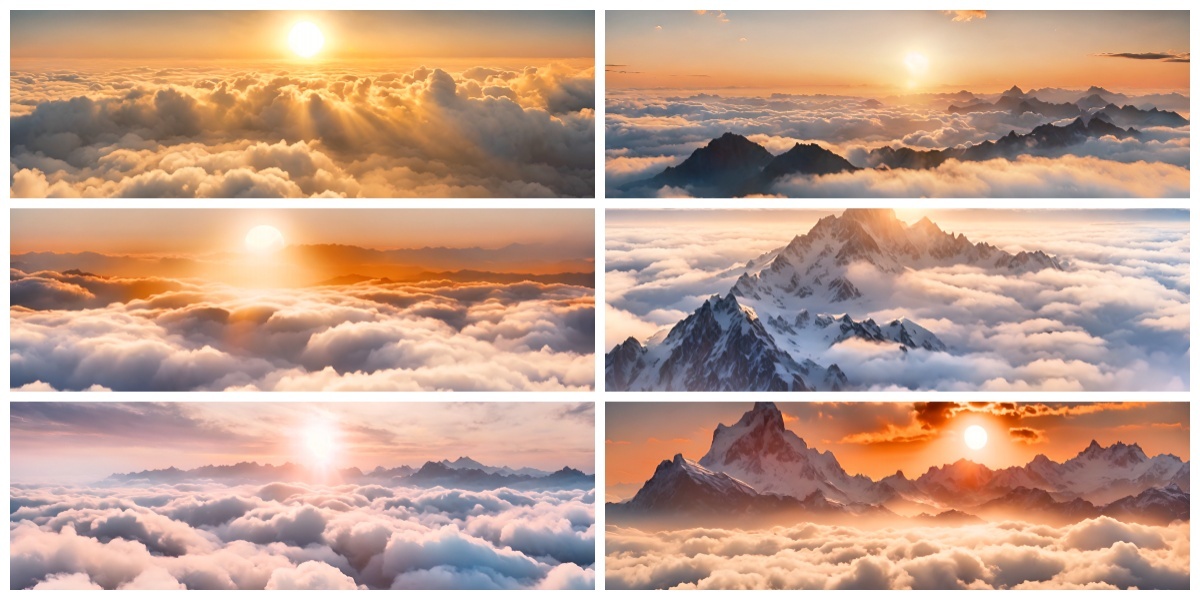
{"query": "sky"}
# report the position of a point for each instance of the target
(200, 231)
(262, 35)
(877, 439)
(86, 442)
(896, 51)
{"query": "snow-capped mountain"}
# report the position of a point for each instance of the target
(466, 462)
(772, 330)
(757, 465)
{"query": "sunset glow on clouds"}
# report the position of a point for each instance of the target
(345, 123)
(310, 314)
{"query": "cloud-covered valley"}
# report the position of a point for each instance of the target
(1100, 553)
(74, 330)
(103, 129)
(204, 535)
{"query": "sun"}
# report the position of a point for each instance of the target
(264, 238)
(320, 443)
(975, 437)
(917, 63)
(306, 39)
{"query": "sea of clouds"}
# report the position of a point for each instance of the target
(645, 133)
(75, 331)
(1100, 553)
(1117, 318)
(204, 535)
(107, 130)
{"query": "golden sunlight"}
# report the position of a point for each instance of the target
(264, 238)
(975, 437)
(917, 63)
(306, 39)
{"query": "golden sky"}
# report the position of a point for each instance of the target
(882, 52)
(264, 35)
(877, 439)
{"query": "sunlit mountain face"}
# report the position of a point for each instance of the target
(866, 299)
(232, 104)
(929, 104)
(302, 300)
(898, 496)
(302, 496)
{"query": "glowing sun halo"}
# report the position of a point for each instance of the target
(306, 39)
(975, 437)
(264, 238)
(916, 62)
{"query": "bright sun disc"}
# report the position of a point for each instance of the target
(306, 39)
(975, 437)
(916, 62)
(264, 238)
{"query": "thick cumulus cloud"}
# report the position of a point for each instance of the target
(73, 331)
(192, 132)
(1116, 318)
(207, 536)
(644, 135)
(1100, 553)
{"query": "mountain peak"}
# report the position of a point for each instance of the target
(1013, 91)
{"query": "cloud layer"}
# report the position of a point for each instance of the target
(1116, 319)
(73, 331)
(206, 536)
(342, 131)
(1096, 554)
(645, 133)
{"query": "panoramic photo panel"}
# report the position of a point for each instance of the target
(960, 104)
(880, 299)
(329, 496)
(339, 300)
(926, 495)
(371, 104)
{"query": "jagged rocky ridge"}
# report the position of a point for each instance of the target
(757, 466)
(762, 336)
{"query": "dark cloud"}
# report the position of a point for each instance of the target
(1163, 56)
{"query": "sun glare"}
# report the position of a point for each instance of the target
(975, 437)
(917, 63)
(306, 39)
(264, 238)
(321, 444)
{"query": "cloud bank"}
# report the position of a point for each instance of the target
(104, 131)
(1099, 553)
(206, 536)
(77, 331)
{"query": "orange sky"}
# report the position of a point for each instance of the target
(263, 35)
(876, 439)
(885, 52)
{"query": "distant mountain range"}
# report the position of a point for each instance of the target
(757, 469)
(766, 332)
(732, 165)
(462, 473)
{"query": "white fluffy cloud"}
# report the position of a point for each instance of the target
(196, 132)
(73, 332)
(322, 537)
(646, 133)
(1098, 553)
(1117, 318)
